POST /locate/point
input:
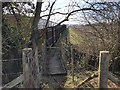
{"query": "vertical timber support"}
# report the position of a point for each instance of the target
(72, 61)
(30, 70)
(103, 69)
(36, 61)
(44, 66)
(62, 48)
(0, 45)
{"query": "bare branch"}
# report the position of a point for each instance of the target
(87, 79)
(69, 14)
(53, 14)
(16, 17)
(100, 35)
(50, 13)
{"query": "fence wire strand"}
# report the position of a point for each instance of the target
(5, 60)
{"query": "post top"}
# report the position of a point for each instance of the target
(27, 49)
(104, 51)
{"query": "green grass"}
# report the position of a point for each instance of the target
(75, 39)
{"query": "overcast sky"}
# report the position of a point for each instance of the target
(62, 3)
(59, 4)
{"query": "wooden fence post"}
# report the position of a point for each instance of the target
(103, 69)
(1, 45)
(44, 59)
(62, 48)
(72, 61)
(30, 71)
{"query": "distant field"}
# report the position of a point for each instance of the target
(75, 39)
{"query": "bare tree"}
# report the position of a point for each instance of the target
(103, 24)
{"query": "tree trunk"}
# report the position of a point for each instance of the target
(35, 35)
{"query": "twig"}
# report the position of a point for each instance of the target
(87, 79)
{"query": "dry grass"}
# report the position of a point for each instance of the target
(75, 39)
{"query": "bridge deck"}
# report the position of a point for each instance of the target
(55, 66)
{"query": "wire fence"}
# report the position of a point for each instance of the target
(17, 59)
(67, 51)
(76, 61)
(17, 73)
(11, 68)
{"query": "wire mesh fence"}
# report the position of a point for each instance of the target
(11, 69)
(78, 64)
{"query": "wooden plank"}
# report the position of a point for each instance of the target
(14, 82)
(55, 65)
(110, 77)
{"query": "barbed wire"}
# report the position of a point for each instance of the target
(52, 77)
(76, 68)
(12, 73)
(7, 73)
(4, 60)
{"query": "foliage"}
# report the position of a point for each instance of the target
(14, 36)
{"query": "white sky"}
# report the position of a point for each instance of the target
(59, 4)
(62, 4)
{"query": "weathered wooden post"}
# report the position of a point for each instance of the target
(44, 59)
(0, 59)
(30, 70)
(104, 58)
(72, 61)
(62, 48)
(1, 45)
